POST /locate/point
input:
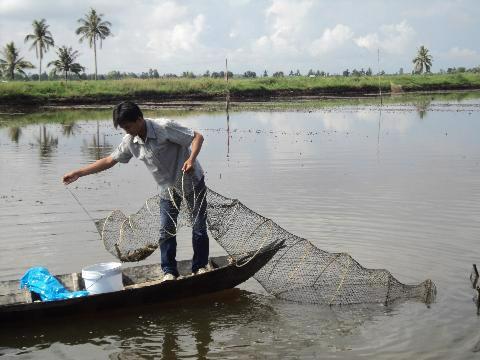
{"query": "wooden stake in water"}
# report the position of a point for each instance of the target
(227, 107)
(227, 97)
(379, 86)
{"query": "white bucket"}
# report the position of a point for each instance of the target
(103, 278)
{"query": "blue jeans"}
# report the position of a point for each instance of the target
(168, 239)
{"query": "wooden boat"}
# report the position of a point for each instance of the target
(142, 285)
(474, 279)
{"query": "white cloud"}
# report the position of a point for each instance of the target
(287, 15)
(170, 29)
(286, 19)
(12, 6)
(370, 41)
(166, 43)
(463, 53)
(331, 39)
(394, 38)
(167, 14)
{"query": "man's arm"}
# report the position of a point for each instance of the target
(97, 166)
(196, 147)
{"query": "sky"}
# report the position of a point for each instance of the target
(256, 35)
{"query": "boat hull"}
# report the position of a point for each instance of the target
(225, 276)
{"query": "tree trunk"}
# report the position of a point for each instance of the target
(40, 67)
(95, 54)
(66, 76)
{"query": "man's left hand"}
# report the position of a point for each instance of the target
(187, 166)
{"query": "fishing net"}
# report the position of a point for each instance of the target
(299, 271)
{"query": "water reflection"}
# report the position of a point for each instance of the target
(60, 116)
(378, 133)
(14, 133)
(168, 331)
(96, 148)
(46, 143)
(228, 128)
(69, 128)
(422, 105)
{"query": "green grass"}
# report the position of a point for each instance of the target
(109, 88)
(207, 88)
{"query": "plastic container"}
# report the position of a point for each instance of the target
(102, 278)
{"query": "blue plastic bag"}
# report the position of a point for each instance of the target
(40, 281)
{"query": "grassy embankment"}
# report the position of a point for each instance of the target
(104, 91)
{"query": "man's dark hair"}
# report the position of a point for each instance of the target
(126, 112)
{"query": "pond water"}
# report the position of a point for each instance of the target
(396, 186)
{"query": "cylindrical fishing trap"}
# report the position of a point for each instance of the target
(298, 272)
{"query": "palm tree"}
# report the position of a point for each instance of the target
(423, 59)
(41, 41)
(66, 62)
(12, 62)
(93, 28)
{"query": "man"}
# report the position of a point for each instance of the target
(163, 145)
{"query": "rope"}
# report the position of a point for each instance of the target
(326, 266)
(79, 203)
(148, 208)
(103, 228)
(290, 276)
(261, 245)
(347, 269)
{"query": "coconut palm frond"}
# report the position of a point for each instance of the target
(12, 62)
(23, 64)
(76, 68)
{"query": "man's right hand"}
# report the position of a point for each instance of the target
(70, 177)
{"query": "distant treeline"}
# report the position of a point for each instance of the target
(154, 74)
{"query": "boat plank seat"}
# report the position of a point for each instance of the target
(10, 293)
(72, 282)
(20, 297)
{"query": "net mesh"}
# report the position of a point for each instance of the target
(299, 271)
